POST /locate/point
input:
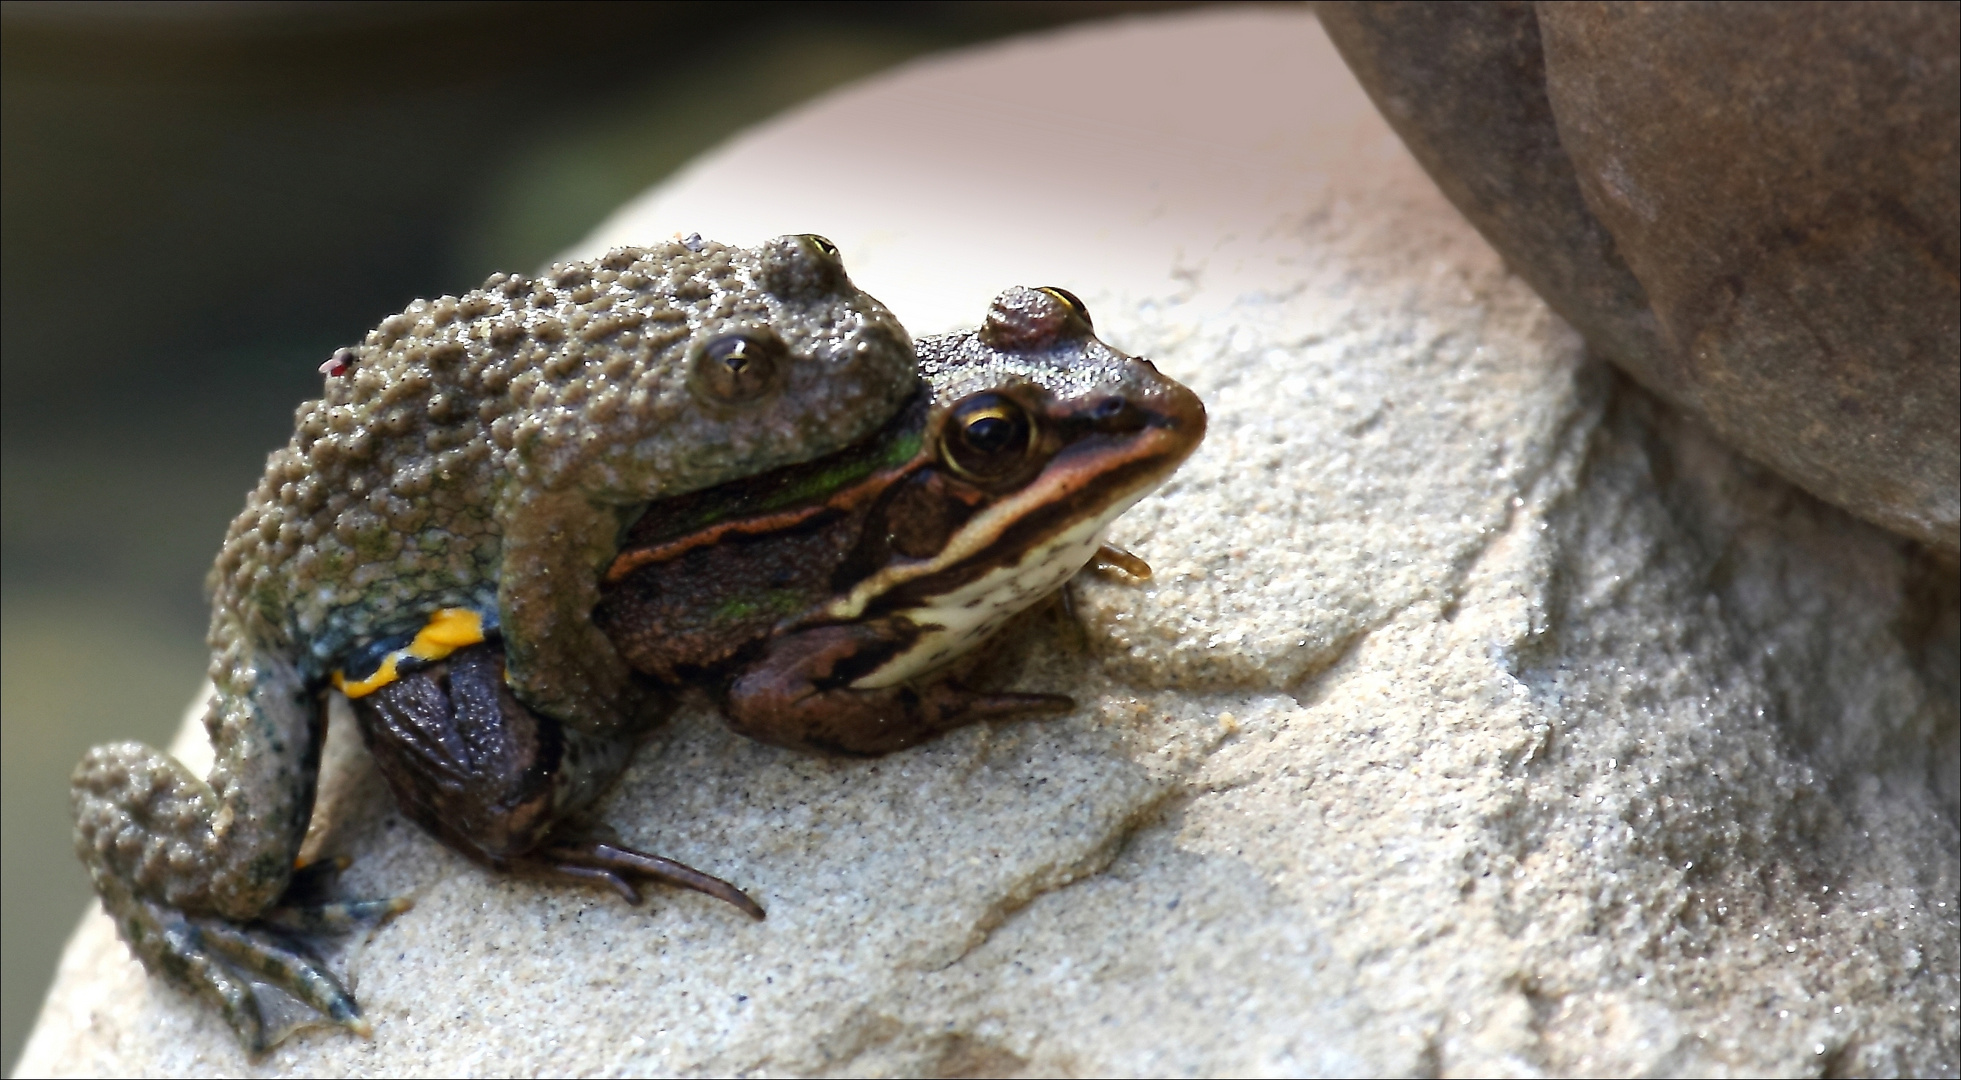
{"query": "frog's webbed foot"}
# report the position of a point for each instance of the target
(617, 867)
(267, 976)
(1112, 557)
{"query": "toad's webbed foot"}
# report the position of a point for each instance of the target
(498, 782)
(267, 976)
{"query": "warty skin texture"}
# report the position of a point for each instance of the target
(479, 452)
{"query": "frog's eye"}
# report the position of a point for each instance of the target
(737, 367)
(1026, 320)
(988, 437)
(803, 265)
(1071, 301)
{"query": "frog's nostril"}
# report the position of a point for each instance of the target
(1117, 416)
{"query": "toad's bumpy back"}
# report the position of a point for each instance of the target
(473, 454)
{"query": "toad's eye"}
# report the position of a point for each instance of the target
(802, 265)
(988, 437)
(737, 367)
(1071, 301)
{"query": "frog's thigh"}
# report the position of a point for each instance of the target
(507, 786)
(473, 765)
(789, 698)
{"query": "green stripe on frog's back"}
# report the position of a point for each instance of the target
(776, 603)
(811, 483)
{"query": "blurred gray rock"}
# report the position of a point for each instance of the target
(1755, 209)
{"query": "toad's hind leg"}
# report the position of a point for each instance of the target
(189, 868)
(507, 786)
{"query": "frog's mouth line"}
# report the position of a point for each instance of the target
(1091, 480)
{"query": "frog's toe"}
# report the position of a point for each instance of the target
(305, 911)
(267, 956)
(962, 706)
(264, 976)
(337, 918)
(619, 867)
(179, 951)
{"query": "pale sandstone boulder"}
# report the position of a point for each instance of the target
(1482, 718)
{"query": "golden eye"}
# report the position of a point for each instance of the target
(822, 244)
(737, 367)
(1071, 301)
(988, 437)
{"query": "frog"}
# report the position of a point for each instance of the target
(468, 473)
(828, 606)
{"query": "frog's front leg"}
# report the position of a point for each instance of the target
(505, 785)
(800, 695)
(555, 548)
(193, 870)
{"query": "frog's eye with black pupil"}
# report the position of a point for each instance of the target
(822, 244)
(739, 366)
(988, 437)
(1071, 301)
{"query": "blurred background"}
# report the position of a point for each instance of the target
(200, 201)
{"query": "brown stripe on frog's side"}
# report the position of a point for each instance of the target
(779, 500)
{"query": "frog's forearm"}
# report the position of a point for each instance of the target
(222, 845)
(559, 663)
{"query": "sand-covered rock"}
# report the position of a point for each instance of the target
(1482, 717)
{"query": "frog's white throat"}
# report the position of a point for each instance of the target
(953, 623)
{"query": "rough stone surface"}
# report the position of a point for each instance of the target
(1753, 208)
(1464, 84)
(1483, 717)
